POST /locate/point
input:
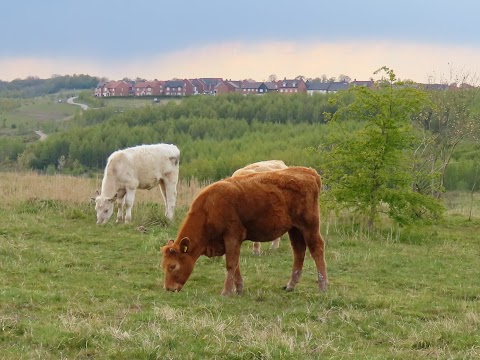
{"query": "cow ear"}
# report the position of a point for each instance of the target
(184, 244)
(113, 198)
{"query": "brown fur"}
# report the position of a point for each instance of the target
(262, 166)
(258, 207)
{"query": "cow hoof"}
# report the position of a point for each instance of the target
(287, 289)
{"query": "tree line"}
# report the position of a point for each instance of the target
(34, 86)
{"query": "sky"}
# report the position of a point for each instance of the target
(423, 40)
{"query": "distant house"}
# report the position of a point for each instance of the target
(271, 86)
(227, 86)
(317, 87)
(116, 88)
(188, 87)
(326, 87)
(209, 84)
(198, 86)
(291, 86)
(148, 88)
(337, 86)
(252, 87)
(435, 86)
(98, 89)
(174, 88)
(366, 83)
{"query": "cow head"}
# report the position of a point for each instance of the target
(104, 208)
(177, 264)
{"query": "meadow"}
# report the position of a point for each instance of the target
(40, 113)
(73, 290)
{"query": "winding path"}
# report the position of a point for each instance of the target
(42, 136)
(70, 101)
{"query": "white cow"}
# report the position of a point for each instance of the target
(138, 167)
(262, 166)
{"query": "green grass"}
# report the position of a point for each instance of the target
(124, 103)
(71, 289)
(42, 113)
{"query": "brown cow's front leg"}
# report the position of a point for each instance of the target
(299, 247)
(316, 246)
(238, 280)
(233, 279)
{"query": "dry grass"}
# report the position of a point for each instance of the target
(17, 187)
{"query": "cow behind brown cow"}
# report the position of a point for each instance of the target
(258, 207)
(262, 166)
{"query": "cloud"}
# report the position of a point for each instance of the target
(241, 60)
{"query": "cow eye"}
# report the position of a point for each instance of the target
(105, 211)
(172, 267)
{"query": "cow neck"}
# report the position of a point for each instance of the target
(192, 228)
(108, 183)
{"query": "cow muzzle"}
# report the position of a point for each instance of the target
(173, 287)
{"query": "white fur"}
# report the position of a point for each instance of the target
(139, 167)
(262, 166)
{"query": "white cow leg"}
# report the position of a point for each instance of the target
(170, 197)
(275, 244)
(129, 199)
(120, 203)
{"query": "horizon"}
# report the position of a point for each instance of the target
(426, 41)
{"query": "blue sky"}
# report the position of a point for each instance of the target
(423, 40)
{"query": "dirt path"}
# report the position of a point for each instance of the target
(42, 136)
(70, 101)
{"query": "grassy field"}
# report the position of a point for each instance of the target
(73, 290)
(124, 103)
(42, 113)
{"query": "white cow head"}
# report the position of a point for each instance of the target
(104, 208)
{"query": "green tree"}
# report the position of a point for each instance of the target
(369, 171)
(447, 123)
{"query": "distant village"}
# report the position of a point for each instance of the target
(214, 86)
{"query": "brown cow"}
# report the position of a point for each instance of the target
(258, 207)
(262, 166)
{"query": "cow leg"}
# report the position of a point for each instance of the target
(120, 203)
(233, 279)
(256, 248)
(316, 246)
(129, 199)
(275, 244)
(299, 247)
(238, 280)
(168, 187)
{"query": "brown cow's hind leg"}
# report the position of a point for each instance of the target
(316, 246)
(299, 247)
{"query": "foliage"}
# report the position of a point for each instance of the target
(216, 135)
(10, 148)
(451, 119)
(369, 171)
(85, 97)
(33, 86)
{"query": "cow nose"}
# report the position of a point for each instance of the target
(174, 288)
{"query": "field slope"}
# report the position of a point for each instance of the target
(71, 289)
